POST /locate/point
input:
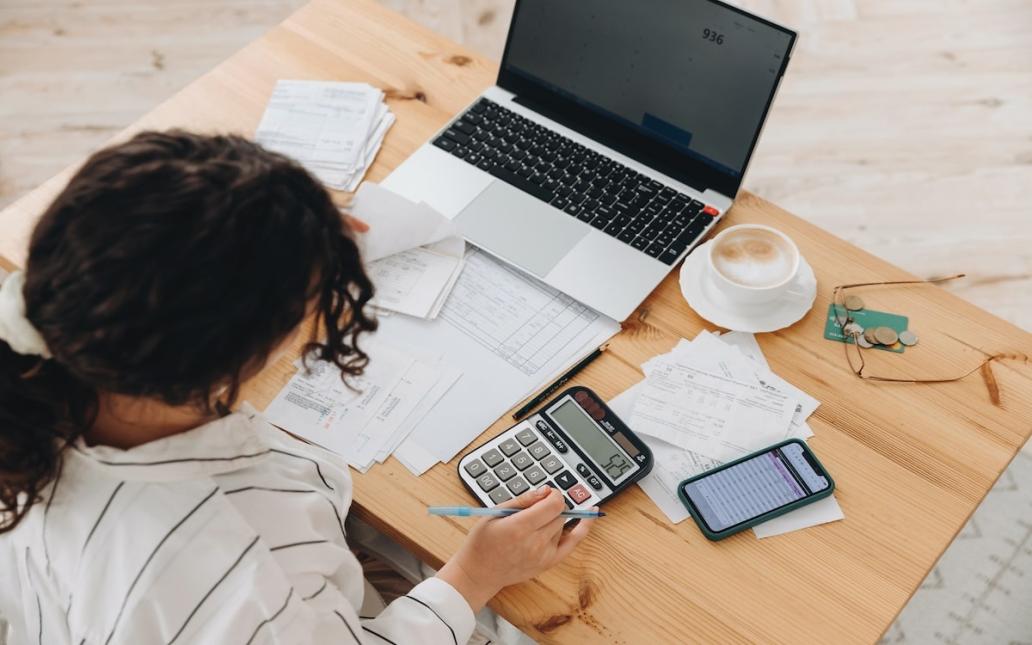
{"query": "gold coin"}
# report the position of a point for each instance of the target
(854, 303)
(908, 338)
(886, 335)
(869, 336)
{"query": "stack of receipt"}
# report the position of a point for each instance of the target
(710, 401)
(333, 129)
(367, 421)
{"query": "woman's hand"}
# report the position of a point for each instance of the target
(504, 551)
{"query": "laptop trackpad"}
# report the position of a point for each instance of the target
(519, 228)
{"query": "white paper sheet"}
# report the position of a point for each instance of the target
(820, 512)
(716, 354)
(448, 376)
(746, 343)
(333, 129)
(673, 464)
(365, 426)
(711, 414)
(397, 224)
(394, 409)
(414, 255)
(508, 333)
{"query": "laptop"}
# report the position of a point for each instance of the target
(616, 136)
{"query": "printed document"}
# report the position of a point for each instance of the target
(732, 355)
(711, 414)
(333, 129)
(509, 334)
(364, 424)
(413, 254)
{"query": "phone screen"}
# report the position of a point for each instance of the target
(727, 497)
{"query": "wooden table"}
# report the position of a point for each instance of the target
(911, 461)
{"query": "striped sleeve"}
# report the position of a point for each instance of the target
(258, 605)
(432, 612)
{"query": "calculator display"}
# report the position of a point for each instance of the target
(592, 439)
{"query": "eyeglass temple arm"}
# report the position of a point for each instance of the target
(877, 284)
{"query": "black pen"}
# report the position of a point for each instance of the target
(561, 381)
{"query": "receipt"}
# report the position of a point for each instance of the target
(711, 414)
(725, 356)
(413, 253)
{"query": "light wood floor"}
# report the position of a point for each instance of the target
(904, 126)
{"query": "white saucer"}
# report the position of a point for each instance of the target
(707, 301)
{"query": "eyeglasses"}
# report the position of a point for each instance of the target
(844, 319)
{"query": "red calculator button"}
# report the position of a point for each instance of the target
(578, 493)
(712, 212)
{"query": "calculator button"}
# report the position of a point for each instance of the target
(552, 464)
(505, 472)
(534, 475)
(518, 485)
(487, 482)
(583, 470)
(595, 483)
(565, 479)
(542, 426)
(579, 494)
(509, 447)
(559, 444)
(522, 461)
(492, 458)
(539, 450)
(526, 437)
(499, 495)
(476, 468)
(566, 499)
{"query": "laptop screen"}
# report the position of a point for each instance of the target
(694, 75)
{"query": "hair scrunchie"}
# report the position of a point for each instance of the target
(15, 328)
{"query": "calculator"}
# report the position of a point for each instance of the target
(575, 444)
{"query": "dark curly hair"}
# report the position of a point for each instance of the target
(170, 268)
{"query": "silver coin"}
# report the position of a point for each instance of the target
(908, 338)
(853, 329)
(854, 303)
(886, 335)
(869, 336)
(863, 342)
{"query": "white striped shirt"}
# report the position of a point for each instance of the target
(230, 533)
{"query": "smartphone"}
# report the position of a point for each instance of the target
(745, 492)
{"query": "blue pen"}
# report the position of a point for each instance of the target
(469, 511)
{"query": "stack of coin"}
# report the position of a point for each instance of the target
(868, 338)
(887, 337)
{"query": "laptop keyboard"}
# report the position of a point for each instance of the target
(641, 212)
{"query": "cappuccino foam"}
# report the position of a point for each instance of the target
(754, 258)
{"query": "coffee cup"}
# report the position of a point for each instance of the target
(752, 263)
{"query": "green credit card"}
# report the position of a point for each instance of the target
(866, 318)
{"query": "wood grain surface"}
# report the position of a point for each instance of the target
(911, 461)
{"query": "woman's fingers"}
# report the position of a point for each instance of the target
(568, 541)
(554, 530)
(544, 508)
(526, 499)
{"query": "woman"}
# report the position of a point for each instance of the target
(136, 508)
